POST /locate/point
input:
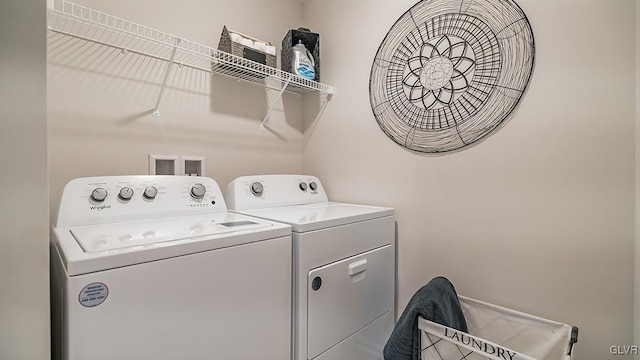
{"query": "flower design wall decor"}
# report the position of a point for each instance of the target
(449, 72)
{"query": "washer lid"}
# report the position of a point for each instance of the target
(309, 217)
(85, 249)
(96, 238)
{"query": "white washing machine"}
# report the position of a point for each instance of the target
(154, 267)
(344, 265)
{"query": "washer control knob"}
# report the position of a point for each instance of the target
(257, 188)
(313, 186)
(99, 194)
(150, 192)
(198, 191)
(126, 193)
(303, 186)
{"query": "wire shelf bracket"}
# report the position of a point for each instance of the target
(277, 97)
(156, 109)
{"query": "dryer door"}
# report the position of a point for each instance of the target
(345, 296)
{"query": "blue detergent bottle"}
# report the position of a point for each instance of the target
(302, 61)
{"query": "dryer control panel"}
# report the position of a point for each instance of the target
(267, 191)
(106, 199)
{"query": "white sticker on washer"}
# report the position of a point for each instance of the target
(93, 294)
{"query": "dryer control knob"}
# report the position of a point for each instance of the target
(99, 194)
(313, 186)
(150, 192)
(257, 188)
(303, 186)
(198, 191)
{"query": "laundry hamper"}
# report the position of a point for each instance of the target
(497, 333)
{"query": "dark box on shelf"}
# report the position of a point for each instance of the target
(310, 39)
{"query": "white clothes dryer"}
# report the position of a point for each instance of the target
(344, 264)
(154, 267)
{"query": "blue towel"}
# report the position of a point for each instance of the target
(437, 301)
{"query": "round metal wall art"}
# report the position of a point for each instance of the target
(448, 73)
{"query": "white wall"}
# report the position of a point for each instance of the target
(24, 240)
(100, 100)
(538, 217)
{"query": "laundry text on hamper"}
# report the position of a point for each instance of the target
(479, 344)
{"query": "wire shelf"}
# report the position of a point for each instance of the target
(84, 23)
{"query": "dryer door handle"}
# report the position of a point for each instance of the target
(357, 267)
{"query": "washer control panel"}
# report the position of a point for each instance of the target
(265, 191)
(100, 200)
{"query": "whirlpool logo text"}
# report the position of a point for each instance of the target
(100, 207)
